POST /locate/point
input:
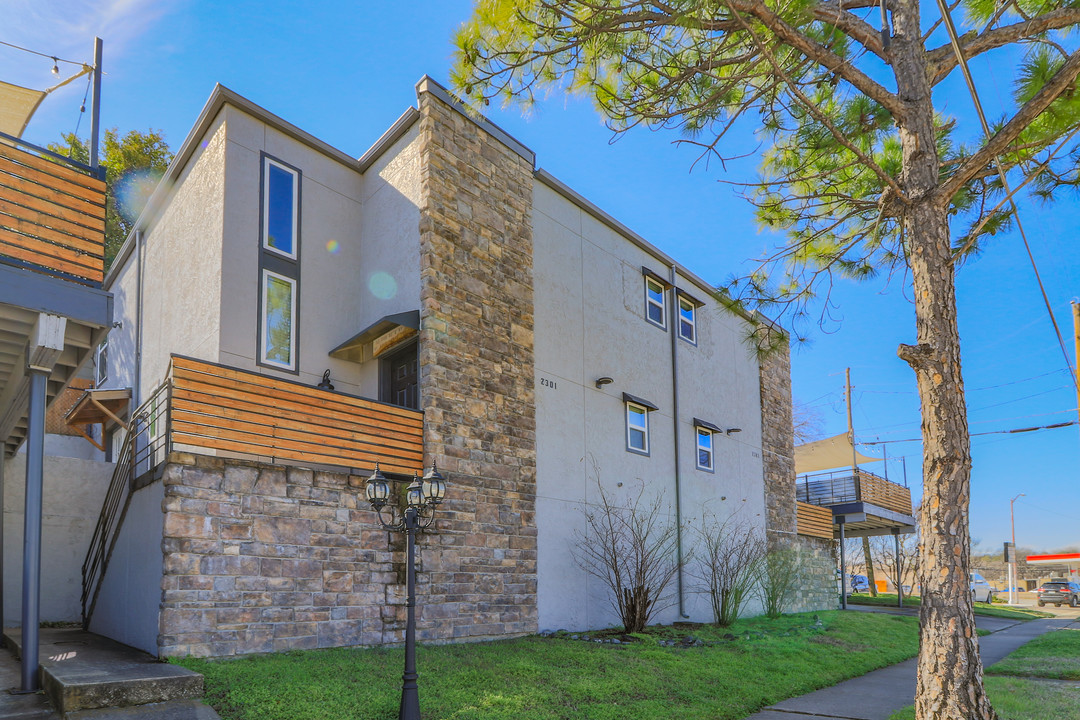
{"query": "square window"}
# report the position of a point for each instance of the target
(704, 449)
(280, 196)
(278, 320)
(637, 428)
(687, 320)
(654, 302)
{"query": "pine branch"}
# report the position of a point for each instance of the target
(942, 60)
(1062, 80)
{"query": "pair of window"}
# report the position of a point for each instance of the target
(656, 308)
(637, 432)
(279, 264)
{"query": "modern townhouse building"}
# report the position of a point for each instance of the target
(288, 315)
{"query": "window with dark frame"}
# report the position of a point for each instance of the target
(279, 265)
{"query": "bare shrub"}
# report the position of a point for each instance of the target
(780, 574)
(631, 548)
(730, 557)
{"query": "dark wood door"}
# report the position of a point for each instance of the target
(402, 370)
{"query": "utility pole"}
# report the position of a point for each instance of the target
(1013, 596)
(1076, 337)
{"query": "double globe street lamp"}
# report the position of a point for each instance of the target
(421, 500)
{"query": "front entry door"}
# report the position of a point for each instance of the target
(402, 375)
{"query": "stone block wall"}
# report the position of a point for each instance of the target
(263, 558)
(477, 368)
(817, 588)
(777, 441)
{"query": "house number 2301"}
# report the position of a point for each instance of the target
(544, 382)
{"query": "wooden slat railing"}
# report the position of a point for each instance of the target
(232, 410)
(813, 520)
(52, 217)
(879, 491)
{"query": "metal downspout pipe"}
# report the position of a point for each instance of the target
(674, 315)
(136, 391)
(31, 589)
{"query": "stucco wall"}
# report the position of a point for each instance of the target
(590, 323)
(73, 492)
(129, 600)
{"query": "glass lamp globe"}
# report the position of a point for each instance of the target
(434, 486)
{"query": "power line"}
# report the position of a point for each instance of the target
(988, 432)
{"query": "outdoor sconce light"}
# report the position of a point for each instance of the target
(729, 431)
(421, 500)
(601, 382)
(326, 384)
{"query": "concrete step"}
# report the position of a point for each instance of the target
(173, 710)
(84, 671)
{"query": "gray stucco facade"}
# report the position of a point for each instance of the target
(527, 295)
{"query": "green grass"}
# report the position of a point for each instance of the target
(1028, 684)
(737, 671)
(1053, 655)
(1014, 613)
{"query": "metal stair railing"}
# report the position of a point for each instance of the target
(143, 451)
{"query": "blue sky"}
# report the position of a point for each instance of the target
(344, 71)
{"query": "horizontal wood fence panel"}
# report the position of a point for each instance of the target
(813, 520)
(51, 216)
(239, 411)
(881, 492)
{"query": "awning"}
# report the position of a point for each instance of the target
(834, 452)
(627, 397)
(698, 422)
(98, 407)
(18, 104)
(382, 335)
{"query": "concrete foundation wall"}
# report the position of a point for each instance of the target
(129, 601)
(73, 492)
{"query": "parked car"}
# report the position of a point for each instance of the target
(1057, 592)
(859, 583)
(980, 589)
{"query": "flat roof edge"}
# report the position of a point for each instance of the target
(394, 133)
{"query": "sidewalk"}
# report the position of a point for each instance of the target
(878, 694)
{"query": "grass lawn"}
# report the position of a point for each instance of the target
(1032, 682)
(889, 599)
(710, 673)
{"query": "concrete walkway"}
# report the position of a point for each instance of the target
(878, 694)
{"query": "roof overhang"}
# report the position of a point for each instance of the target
(385, 333)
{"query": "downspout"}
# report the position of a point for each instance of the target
(136, 391)
(674, 314)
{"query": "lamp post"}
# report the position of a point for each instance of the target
(421, 500)
(1013, 595)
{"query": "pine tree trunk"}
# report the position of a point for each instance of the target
(949, 683)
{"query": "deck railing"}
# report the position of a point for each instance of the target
(813, 520)
(52, 213)
(237, 411)
(844, 486)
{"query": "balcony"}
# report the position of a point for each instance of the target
(866, 503)
(52, 214)
(206, 406)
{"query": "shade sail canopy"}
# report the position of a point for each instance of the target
(833, 452)
(17, 106)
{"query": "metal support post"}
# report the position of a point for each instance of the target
(410, 696)
(95, 116)
(31, 588)
(843, 566)
(899, 578)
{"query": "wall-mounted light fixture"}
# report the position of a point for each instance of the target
(602, 381)
(729, 431)
(326, 384)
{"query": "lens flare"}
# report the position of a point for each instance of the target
(383, 285)
(333, 246)
(133, 190)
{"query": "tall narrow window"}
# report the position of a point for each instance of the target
(704, 449)
(278, 325)
(687, 320)
(280, 193)
(637, 428)
(279, 265)
(101, 363)
(654, 302)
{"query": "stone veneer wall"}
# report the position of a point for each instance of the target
(261, 558)
(477, 372)
(778, 444)
(816, 589)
